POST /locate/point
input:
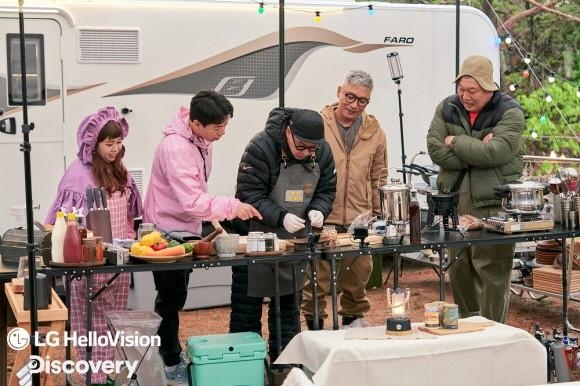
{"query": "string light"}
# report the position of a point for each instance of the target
(578, 92)
(552, 77)
(513, 87)
(371, 10)
(543, 119)
(553, 154)
(526, 73)
(548, 98)
(317, 17)
(261, 8)
(534, 134)
(528, 58)
(508, 40)
(498, 40)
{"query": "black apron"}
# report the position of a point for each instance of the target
(293, 191)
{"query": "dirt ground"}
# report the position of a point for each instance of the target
(524, 312)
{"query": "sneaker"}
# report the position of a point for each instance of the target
(177, 376)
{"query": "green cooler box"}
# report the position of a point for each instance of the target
(235, 359)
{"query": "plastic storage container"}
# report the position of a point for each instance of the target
(226, 360)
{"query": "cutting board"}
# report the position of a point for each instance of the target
(463, 328)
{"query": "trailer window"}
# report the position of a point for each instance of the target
(35, 81)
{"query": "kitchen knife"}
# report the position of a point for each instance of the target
(104, 197)
(90, 198)
(97, 195)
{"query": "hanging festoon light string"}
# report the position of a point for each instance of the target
(546, 99)
(316, 14)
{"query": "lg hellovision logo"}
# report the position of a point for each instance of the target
(19, 339)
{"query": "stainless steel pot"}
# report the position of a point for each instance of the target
(394, 202)
(522, 198)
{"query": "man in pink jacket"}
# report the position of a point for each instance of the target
(177, 200)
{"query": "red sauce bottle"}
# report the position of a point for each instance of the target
(72, 250)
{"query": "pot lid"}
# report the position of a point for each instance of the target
(526, 185)
(395, 186)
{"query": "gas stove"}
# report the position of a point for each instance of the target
(506, 223)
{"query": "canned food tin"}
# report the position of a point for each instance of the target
(450, 316)
(431, 315)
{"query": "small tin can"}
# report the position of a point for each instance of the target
(440, 305)
(450, 316)
(432, 315)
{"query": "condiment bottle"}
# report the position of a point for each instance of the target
(57, 238)
(72, 250)
(414, 219)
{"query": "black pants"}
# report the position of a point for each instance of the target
(246, 312)
(171, 289)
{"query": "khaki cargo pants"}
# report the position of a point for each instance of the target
(352, 277)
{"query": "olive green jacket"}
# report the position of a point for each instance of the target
(475, 166)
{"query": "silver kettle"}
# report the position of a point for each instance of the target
(394, 197)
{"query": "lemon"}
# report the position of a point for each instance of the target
(135, 248)
(148, 240)
(156, 235)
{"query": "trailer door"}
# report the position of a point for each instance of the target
(45, 109)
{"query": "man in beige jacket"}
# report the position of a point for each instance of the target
(359, 148)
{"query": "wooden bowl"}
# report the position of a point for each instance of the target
(202, 249)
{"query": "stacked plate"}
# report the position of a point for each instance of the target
(547, 251)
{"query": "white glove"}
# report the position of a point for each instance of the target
(293, 223)
(316, 218)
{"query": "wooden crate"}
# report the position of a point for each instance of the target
(550, 279)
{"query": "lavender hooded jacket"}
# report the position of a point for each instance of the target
(79, 175)
(177, 198)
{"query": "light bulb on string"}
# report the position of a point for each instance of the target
(553, 154)
(498, 40)
(528, 58)
(534, 134)
(552, 77)
(526, 73)
(261, 8)
(508, 40)
(578, 92)
(543, 119)
(548, 98)
(371, 10)
(317, 17)
(513, 87)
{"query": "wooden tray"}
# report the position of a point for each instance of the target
(161, 259)
(56, 310)
(463, 328)
(72, 265)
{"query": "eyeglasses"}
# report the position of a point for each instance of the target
(350, 98)
(302, 147)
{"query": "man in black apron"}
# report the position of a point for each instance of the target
(287, 174)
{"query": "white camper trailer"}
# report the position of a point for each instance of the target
(147, 58)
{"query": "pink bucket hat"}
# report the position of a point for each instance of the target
(91, 126)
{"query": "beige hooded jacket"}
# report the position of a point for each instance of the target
(357, 172)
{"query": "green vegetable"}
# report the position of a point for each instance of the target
(173, 243)
(188, 247)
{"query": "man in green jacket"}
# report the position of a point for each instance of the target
(476, 139)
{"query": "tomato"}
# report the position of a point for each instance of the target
(159, 245)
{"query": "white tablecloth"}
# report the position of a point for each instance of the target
(500, 355)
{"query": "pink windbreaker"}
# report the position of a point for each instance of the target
(177, 197)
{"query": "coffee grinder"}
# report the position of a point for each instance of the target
(444, 205)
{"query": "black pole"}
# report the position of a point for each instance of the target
(403, 156)
(25, 149)
(457, 17)
(281, 49)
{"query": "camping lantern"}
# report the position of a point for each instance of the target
(399, 319)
